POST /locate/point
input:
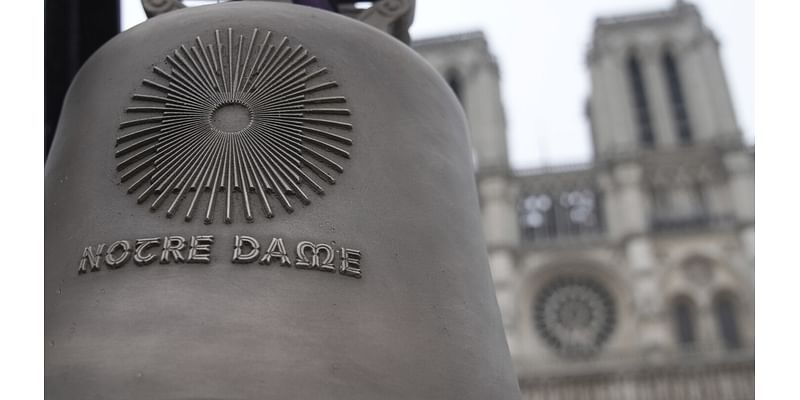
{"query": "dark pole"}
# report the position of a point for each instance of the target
(73, 30)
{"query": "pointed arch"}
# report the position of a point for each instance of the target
(726, 313)
(684, 318)
(456, 83)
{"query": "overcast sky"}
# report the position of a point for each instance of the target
(541, 46)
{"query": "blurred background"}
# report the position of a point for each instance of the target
(613, 147)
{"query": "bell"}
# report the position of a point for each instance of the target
(260, 200)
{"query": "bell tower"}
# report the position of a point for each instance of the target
(632, 273)
(669, 156)
(472, 72)
(467, 65)
(657, 83)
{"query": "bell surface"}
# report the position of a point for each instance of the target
(259, 200)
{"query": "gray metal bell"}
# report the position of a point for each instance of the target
(261, 200)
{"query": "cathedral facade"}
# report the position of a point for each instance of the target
(630, 277)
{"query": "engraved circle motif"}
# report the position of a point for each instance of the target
(233, 117)
(239, 123)
(575, 316)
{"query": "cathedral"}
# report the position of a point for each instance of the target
(632, 276)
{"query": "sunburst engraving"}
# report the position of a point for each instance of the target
(240, 120)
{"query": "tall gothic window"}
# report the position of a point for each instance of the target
(641, 110)
(683, 314)
(677, 100)
(454, 81)
(727, 324)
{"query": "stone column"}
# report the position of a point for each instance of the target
(610, 206)
(707, 335)
(631, 210)
(501, 230)
(484, 109)
(611, 105)
(631, 199)
(691, 66)
(741, 183)
(722, 102)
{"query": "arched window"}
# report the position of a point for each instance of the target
(561, 213)
(454, 80)
(684, 316)
(641, 108)
(727, 323)
(677, 100)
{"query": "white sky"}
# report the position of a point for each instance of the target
(541, 46)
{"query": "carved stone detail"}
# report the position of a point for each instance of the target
(237, 118)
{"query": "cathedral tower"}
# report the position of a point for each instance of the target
(630, 277)
(657, 83)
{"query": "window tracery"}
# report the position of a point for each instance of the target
(556, 214)
(575, 316)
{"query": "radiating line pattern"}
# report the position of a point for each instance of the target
(240, 121)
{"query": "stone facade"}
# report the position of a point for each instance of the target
(630, 277)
